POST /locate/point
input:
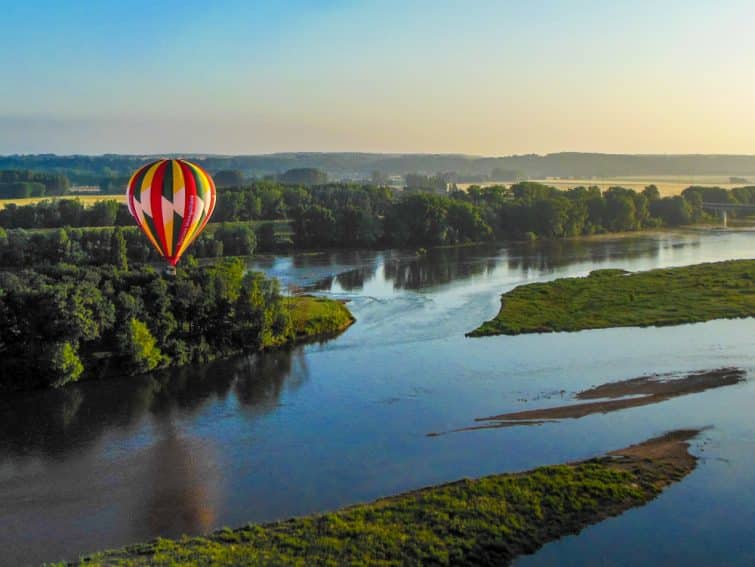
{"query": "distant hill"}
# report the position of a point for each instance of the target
(81, 168)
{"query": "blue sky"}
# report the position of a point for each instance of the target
(478, 77)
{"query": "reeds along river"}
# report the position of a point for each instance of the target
(105, 464)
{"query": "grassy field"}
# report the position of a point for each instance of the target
(318, 316)
(489, 521)
(614, 298)
(87, 200)
(667, 185)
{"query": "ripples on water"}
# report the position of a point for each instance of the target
(285, 433)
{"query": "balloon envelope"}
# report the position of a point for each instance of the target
(171, 200)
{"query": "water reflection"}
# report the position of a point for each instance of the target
(408, 270)
(76, 416)
(181, 486)
(549, 255)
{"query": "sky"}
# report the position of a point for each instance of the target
(440, 76)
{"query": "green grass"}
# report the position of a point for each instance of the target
(318, 316)
(614, 298)
(488, 521)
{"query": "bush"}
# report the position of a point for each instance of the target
(139, 347)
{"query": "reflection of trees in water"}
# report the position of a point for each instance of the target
(409, 271)
(439, 266)
(548, 255)
(265, 377)
(444, 265)
(333, 258)
(355, 279)
(55, 422)
(349, 279)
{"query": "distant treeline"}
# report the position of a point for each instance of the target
(19, 184)
(61, 322)
(120, 245)
(94, 169)
(348, 215)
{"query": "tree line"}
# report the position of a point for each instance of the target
(19, 184)
(117, 245)
(353, 215)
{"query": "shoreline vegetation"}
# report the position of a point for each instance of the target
(315, 318)
(615, 396)
(275, 216)
(487, 521)
(617, 298)
(64, 323)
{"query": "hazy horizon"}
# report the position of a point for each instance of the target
(487, 79)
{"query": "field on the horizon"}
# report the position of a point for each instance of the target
(668, 185)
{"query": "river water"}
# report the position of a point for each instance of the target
(257, 438)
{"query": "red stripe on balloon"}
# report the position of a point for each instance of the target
(156, 200)
(190, 202)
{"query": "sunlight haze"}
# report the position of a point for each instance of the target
(487, 78)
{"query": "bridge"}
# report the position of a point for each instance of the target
(724, 209)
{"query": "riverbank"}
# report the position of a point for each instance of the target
(66, 323)
(488, 521)
(616, 298)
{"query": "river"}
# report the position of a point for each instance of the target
(263, 437)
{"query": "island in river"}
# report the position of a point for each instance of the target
(616, 298)
(487, 521)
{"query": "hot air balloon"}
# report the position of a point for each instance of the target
(172, 200)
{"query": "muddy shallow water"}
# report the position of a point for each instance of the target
(264, 437)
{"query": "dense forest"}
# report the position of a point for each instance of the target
(350, 215)
(61, 322)
(118, 245)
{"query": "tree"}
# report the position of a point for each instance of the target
(238, 240)
(709, 194)
(651, 192)
(102, 213)
(266, 237)
(229, 178)
(357, 226)
(64, 364)
(620, 211)
(314, 226)
(119, 250)
(304, 176)
(673, 211)
(139, 347)
(21, 189)
(551, 216)
(466, 223)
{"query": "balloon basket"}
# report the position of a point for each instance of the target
(170, 271)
